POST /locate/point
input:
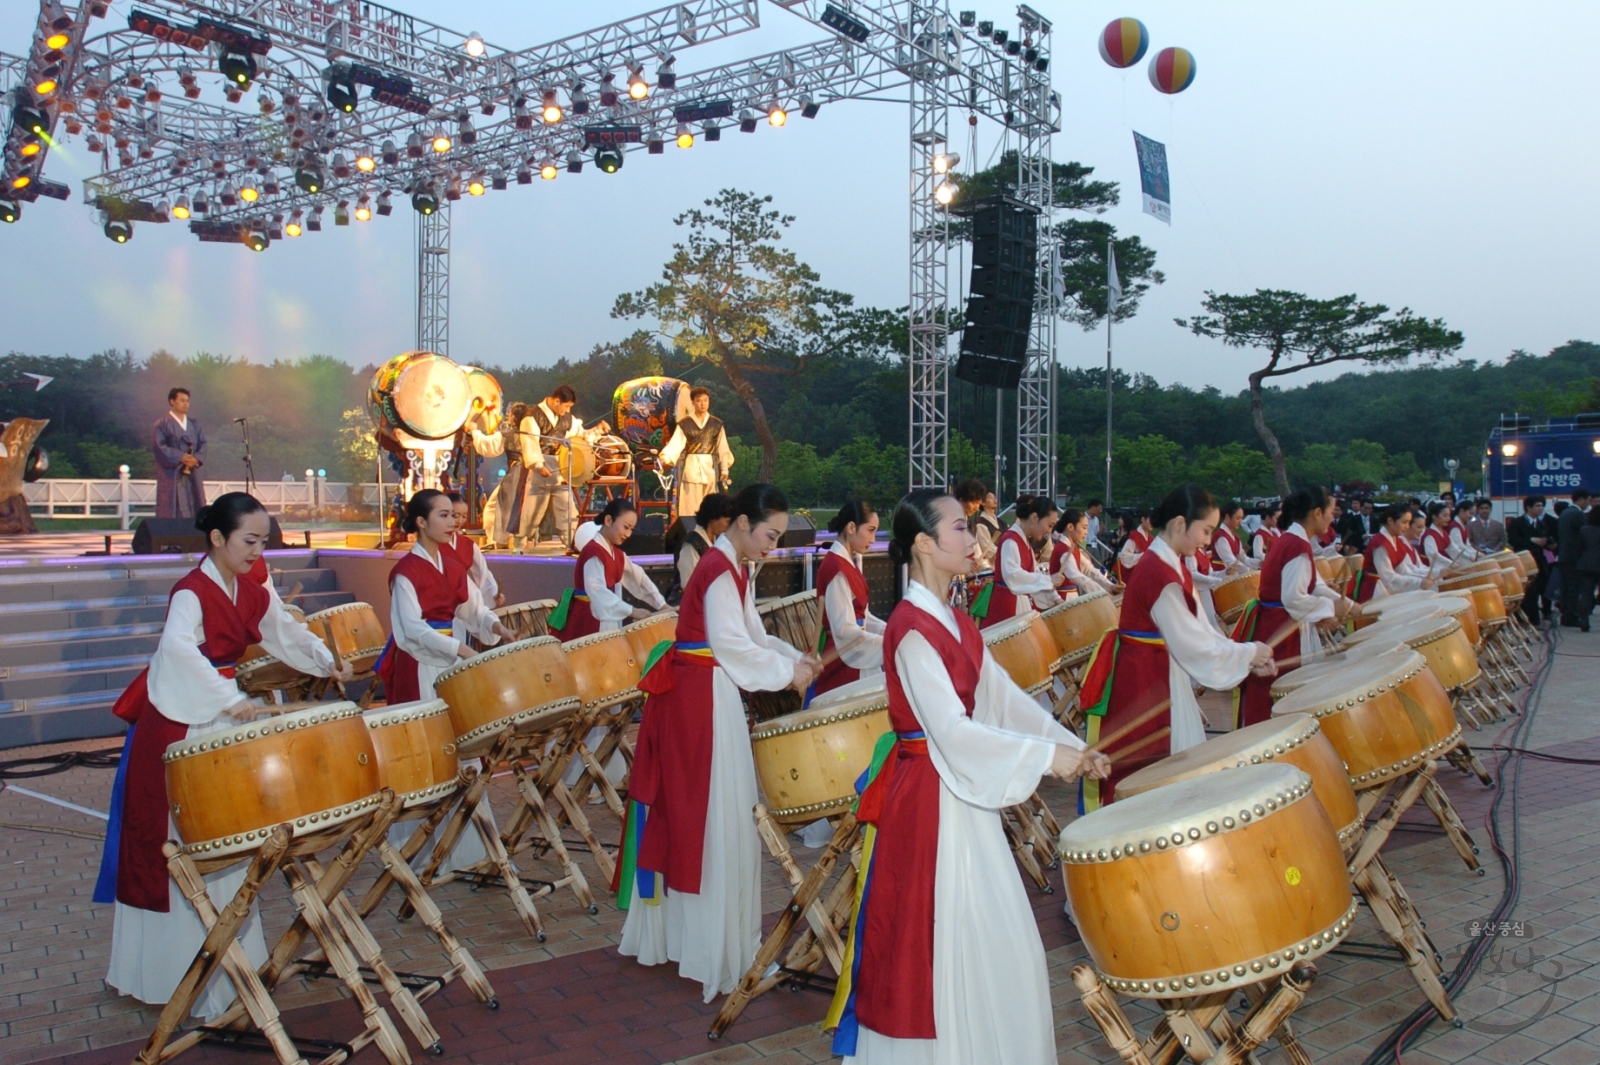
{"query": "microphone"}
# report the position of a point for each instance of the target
(240, 421)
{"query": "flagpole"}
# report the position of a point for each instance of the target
(1113, 297)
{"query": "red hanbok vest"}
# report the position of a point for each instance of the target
(1266, 622)
(439, 594)
(1141, 541)
(837, 673)
(1440, 538)
(1225, 535)
(1004, 604)
(580, 619)
(1365, 583)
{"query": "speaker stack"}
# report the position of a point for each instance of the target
(994, 344)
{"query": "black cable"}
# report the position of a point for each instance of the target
(1510, 862)
(50, 764)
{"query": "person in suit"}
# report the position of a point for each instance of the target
(1534, 531)
(1487, 534)
(1569, 541)
(1357, 526)
(1588, 567)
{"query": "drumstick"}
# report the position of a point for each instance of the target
(1158, 734)
(333, 645)
(1143, 719)
(294, 593)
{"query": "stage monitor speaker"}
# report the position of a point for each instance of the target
(649, 536)
(801, 532)
(178, 536)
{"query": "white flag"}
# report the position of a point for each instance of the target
(1113, 283)
(1058, 289)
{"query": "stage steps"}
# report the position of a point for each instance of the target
(74, 633)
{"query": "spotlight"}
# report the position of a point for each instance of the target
(425, 201)
(520, 116)
(31, 149)
(1000, 37)
(550, 110)
(365, 161)
(308, 176)
(1031, 55)
(341, 165)
(341, 90)
(713, 131)
(985, 28)
(497, 180)
(466, 133)
(9, 212)
(685, 138)
(809, 108)
(314, 223)
(945, 162)
(776, 115)
(1042, 64)
(608, 91)
(295, 226)
(655, 145)
(666, 77)
(385, 205)
(475, 46)
(638, 88)
(238, 67)
(256, 239)
(21, 181)
(580, 99)
(609, 160)
(44, 87)
(180, 208)
(391, 155)
(944, 194)
(414, 146)
(968, 19)
(476, 187)
(364, 209)
(524, 176)
(57, 41)
(249, 193)
(53, 14)
(747, 121)
(32, 119)
(548, 171)
(200, 204)
(441, 142)
(228, 196)
(574, 162)
(1014, 48)
(269, 187)
(119, 230)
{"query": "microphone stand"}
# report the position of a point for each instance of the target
(249, 467)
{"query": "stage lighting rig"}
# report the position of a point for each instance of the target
(364, 208)
(548, 170)
(391, 154)
(747, 121)
(9, 212)
(609, 160)
(30, 119)
(474, 46)
(385, 205)
(666, 76)
(685, 137)
(574, 162)
(853, 28)
(308, 177)
(119, 230)
(579, 98)
(295, 225)
(238, 67)
(638, 88)
(809, 108)
(314, 223)
(425, 201)
(256, 239)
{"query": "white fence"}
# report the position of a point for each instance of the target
(129, 500)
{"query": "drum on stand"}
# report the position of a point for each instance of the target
(525, 620)
(1234, 594)
(259, 673)
(808, 762)
(352, 632)
(605, 668)
(313, 768)
(576, 459)
(612, 457)
(416, 748)
(792, 619)
(421, 394)
(526, 685)
(1284, 683)
(1208, 884)
(643, 636)
(1015, 645)
(1075, 626)
(487, 399)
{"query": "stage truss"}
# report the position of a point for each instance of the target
(139, 90)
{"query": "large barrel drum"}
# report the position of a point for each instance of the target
(808, 762)
(421, 394)
(416, 746)
(1016, 645)
(526, 685)
(1076, 625)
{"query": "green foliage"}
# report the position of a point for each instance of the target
(1560, 401)
(1083, 271)
(1232, 471)
(102, 459)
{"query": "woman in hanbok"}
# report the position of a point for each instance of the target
(1391, 565)
(710, 522)
(1267, 534)
(1444, 541)
(1134, 547)
(601, 574)
(1226, 546)
(1018, 583)
(467, 552)
(1163, 644)
(847, 623)
(690, 878)
(944, 964)
(1073, 569)
(1293, 605)
(216, 611)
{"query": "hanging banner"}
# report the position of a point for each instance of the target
(1153, 180)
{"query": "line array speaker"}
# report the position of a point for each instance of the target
(994, 343)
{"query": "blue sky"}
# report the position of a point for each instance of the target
(1430, 154)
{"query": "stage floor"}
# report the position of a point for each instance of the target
(574, 999)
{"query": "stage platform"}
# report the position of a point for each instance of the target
(574, 999)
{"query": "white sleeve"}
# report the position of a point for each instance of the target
(528, 436)
(1202, 580)
(688, 558)
(604, 604)
(1393, 581)
(874, 624)
(643, 588)
(859, 648)
(985, 544)
(1225, 553)
(482, 577)
(753, 665)
(1461, 550)
(982, 764)
(669, 454)
(1258, 548)
(1083, 581)
(412, 634)
(1020, 580)
(1301, 604)
(1130, 554)
(488, 445)
(289, 640)
(1210, 658)
(724, 452)
(183, 684)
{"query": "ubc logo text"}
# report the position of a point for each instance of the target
(1552, 463)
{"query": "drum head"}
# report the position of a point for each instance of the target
(400, 713)
(845, 694)
(1361, 652)
(1007, 629)
(580, 453)
(1406, 617)
(486, 398)
(1252, 745)
(430, 396)
(862, 703)
(1343, 686)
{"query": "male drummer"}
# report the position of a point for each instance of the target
(699, 449)
(544, 433)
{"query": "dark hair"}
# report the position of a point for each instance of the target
(699, 390)
(916, 513)
(226, 513)
(1594, 516)
(563, 394)
(1436, 508)
(1069, 517)
(1484, 503)
(1093, 503)
(1533, 501)
(516, 412)
(615, 509)
(971, 490)
(758, 502)
(455, 497)
(1231, 507)
(174, 393)
(418, 507)
(1032, 506)
(1581, 493)
(1303, 502)
(714, 507)
(1397, 511)
(854, 512)
(1191, 503)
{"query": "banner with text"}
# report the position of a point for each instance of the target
(1153, 180)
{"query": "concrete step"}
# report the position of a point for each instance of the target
(323, 600)
(81, 613)
(84, 715)
(89, 676)
(40, 591)
(309, 580)
(141, 642)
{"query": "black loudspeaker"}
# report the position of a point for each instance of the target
(801, 533)
(178, 536)
(994, 343)
(649, 536)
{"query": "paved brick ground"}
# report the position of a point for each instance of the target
(573, 999)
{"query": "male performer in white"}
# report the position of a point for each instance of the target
(542, 432)
(699, 449)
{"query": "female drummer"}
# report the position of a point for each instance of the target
(944, 961)
(602, 573)
(1017, 580)
(847, 623)
(1226, 545)
(1206, 575)
(1292, 604)
(1134, 547)
(1264, 537)
(1070, 565)
(1163, 642)
(188, 690)
(1391, 565)
(710, 522)
(1443, 542)
(467, 552)
(696, 897)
